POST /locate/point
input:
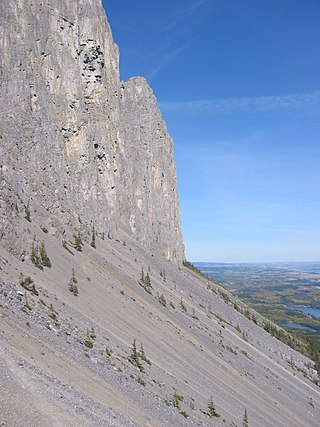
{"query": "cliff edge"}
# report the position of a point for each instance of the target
(90, 150)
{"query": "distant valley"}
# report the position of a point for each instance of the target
(286, 293)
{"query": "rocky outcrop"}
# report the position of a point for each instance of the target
(75, 141)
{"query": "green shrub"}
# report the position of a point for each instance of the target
(141, 382)
(162, 300)
(176, 399)
(211, 409)
(88, 343)
(78, 242)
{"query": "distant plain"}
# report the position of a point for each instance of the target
(286, 293)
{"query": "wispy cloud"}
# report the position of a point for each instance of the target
(304, 102)
(191, 7)
(166, 59)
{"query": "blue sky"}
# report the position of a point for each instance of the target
(238, 83)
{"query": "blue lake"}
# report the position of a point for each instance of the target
(298, 326)
(315, 312)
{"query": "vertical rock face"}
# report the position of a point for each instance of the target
(72, 137)
(151, 206)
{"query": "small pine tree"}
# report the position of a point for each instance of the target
(134, 357)
(35, 257)
(45, 261)
(245, 422)
(211, 409)
(162, 300)
(78, 242)
(147, 280)
(73, 277)
(93, 241)
(27, 212)
(34, 290)
(72, 284)
(143, 355)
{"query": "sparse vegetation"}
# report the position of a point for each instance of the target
(141, 382)
(145, 282)
(93, 238)
(245, 422)
(162, 300)
(134, 358)
(163, 275)
(184, 414)
(77, 242)
(43, 256)
(53, 314)
(237, 328)
(39, 256)
(88, 343)
(73, 277)
(26, 306)
(143, 356)
(108, 351)
(211, 409)
(245, 335)
(184, 308)
(27, 212)
(28, 284)
(176, 399)
(73, 288)
(90, 337)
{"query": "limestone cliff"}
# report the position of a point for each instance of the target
(75, 141)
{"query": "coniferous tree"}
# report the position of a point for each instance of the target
(35, 257)
(27, 211)
(134, 357)
(147, 280)
(78, 242)
(93, 241)
(245, 422)
(143, 355)
(45, 261)
(211, 409)
(72, 284)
